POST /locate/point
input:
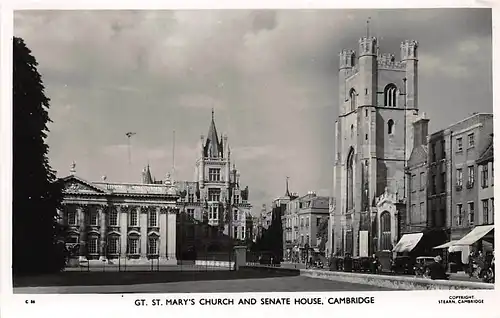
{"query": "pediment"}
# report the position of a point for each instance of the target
(75, 184)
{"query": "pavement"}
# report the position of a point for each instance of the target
(144, 268)
(460, 276)
(271, 284)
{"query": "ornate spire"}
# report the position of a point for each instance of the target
(213, 147)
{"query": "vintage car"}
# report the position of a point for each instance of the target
(402, 265)
(421, 268)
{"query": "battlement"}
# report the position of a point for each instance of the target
(388, 61)
(347, 59)
(409, 50)
(368, 46)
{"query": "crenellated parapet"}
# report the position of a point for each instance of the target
(388, 61)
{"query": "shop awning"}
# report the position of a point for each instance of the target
(475, 235)
(408, 242)
(445, 245)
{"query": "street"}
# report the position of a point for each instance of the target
(273, 284)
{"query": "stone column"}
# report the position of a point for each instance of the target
(80, 210)
(171, 235)
(123, 219)
(163, 232)
(143, 223)
(102, 230)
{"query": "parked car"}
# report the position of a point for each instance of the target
(421, 268)
(402, 265)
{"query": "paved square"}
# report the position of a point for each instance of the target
(274, 284)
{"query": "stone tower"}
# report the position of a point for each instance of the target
(373, 139)
(213, 173)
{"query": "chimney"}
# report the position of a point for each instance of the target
(420, 131)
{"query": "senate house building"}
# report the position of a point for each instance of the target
(159, 219)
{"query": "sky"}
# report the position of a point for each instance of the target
(270, 76)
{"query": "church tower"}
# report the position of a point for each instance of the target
(373, 139)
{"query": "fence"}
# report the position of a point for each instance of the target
(206, 262)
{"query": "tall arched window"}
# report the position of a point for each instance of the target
(352, 97)
(350, 180)
(390, 95)
(385, 227)
(390, 127)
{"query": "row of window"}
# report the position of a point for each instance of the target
(463, 219)
(304, 222)
(72, 218)
(486, 181)
(390, 96)
(434, 151)
(485, 178)
(241, 234)
(420, 216)
(213, 195)
(113, 245)
(470, 142)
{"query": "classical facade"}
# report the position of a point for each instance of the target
(139, 221)
(378, 103)
(129, 221)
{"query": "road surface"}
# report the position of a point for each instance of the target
(272, 284)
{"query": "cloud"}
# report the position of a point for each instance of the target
(271, 75)
(458, 61)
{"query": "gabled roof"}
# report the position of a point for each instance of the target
(487, 154)
(418, 156)
(72, 183)
(213, 147)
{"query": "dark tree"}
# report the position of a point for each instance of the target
(322, 233)
(37, 247)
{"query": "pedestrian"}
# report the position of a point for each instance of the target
(471, 263)
(437, 270)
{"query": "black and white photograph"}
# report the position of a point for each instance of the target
(223, 151)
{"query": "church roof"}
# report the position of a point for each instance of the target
(487, 155)
(213, 147)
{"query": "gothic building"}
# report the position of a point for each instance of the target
(140, 221)
(378, 103)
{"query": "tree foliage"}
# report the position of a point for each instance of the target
(322, 233)
(36, 192)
